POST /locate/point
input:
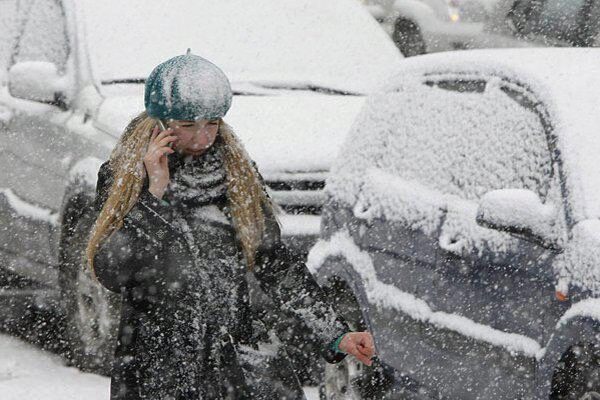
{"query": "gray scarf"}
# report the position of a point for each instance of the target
(196, 181)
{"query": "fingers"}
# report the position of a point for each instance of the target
(364, 354)
(361, 357)
(158, 154)
(366, 345)
(360, 345)
(165, 140)
(162, 134)
(158, 140)
(161, 152)
(365, 351)
(165, 150)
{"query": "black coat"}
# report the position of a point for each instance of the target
(180, 337)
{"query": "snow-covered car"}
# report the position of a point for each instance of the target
(426, 26)
(299, 71)
(465, 234)
(518, 23)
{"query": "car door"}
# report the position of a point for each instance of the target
(503, 285)
(400, 211)
(509, 283)
(35, 153)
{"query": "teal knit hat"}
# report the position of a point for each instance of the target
(187, 87)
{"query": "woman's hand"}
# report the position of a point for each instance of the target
(156, 163)
(360, 345)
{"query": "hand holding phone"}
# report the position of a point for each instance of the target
(162, 125)
(156, 160)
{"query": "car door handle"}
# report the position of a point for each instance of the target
(453, 244)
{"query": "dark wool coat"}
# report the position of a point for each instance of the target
(187, 330)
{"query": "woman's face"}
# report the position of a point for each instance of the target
(194, 137)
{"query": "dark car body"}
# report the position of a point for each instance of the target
(458, 226)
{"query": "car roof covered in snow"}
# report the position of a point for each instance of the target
(566, 81)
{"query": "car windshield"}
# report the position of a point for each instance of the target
(331, 43)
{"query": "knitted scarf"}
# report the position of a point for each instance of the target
(196, 181)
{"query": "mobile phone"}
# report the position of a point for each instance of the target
(162, 125)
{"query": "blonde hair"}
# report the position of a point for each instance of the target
(246, 194)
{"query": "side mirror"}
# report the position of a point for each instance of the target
(37, 81)
(377, 11)
(519, 212)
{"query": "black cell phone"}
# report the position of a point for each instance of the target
(162, 125)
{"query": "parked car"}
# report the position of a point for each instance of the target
(427, 26)
(465, 232)
(299, 71)
(515, 23)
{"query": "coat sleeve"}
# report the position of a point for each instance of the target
(123, 259)
(285, 278)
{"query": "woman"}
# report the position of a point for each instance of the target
(183, 215)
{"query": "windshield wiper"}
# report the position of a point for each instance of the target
(265, 85)
(306, 87)
(119, 81)
(141, 81)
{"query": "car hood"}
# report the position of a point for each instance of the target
(282, 133)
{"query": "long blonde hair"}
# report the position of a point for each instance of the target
(246, 194)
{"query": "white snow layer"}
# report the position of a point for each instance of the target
(29, 210)
(39, 77)
(517, 208)
(8, 30)
(333, 42)
(392, 198)
(474, 142)
(585, 308)
(86, 170)
(299, 225)
(28, 373)
(285, 131)
(388, 296)
(579, 263)
(420, 146)
(464, 144)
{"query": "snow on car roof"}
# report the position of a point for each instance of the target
(565, 81)
(333, 42)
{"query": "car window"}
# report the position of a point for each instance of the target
(43, 36)
(521, 14)
(561, 19)
(457, 137)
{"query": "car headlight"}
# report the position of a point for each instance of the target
(454, 10)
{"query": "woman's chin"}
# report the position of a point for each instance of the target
(193, 153)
